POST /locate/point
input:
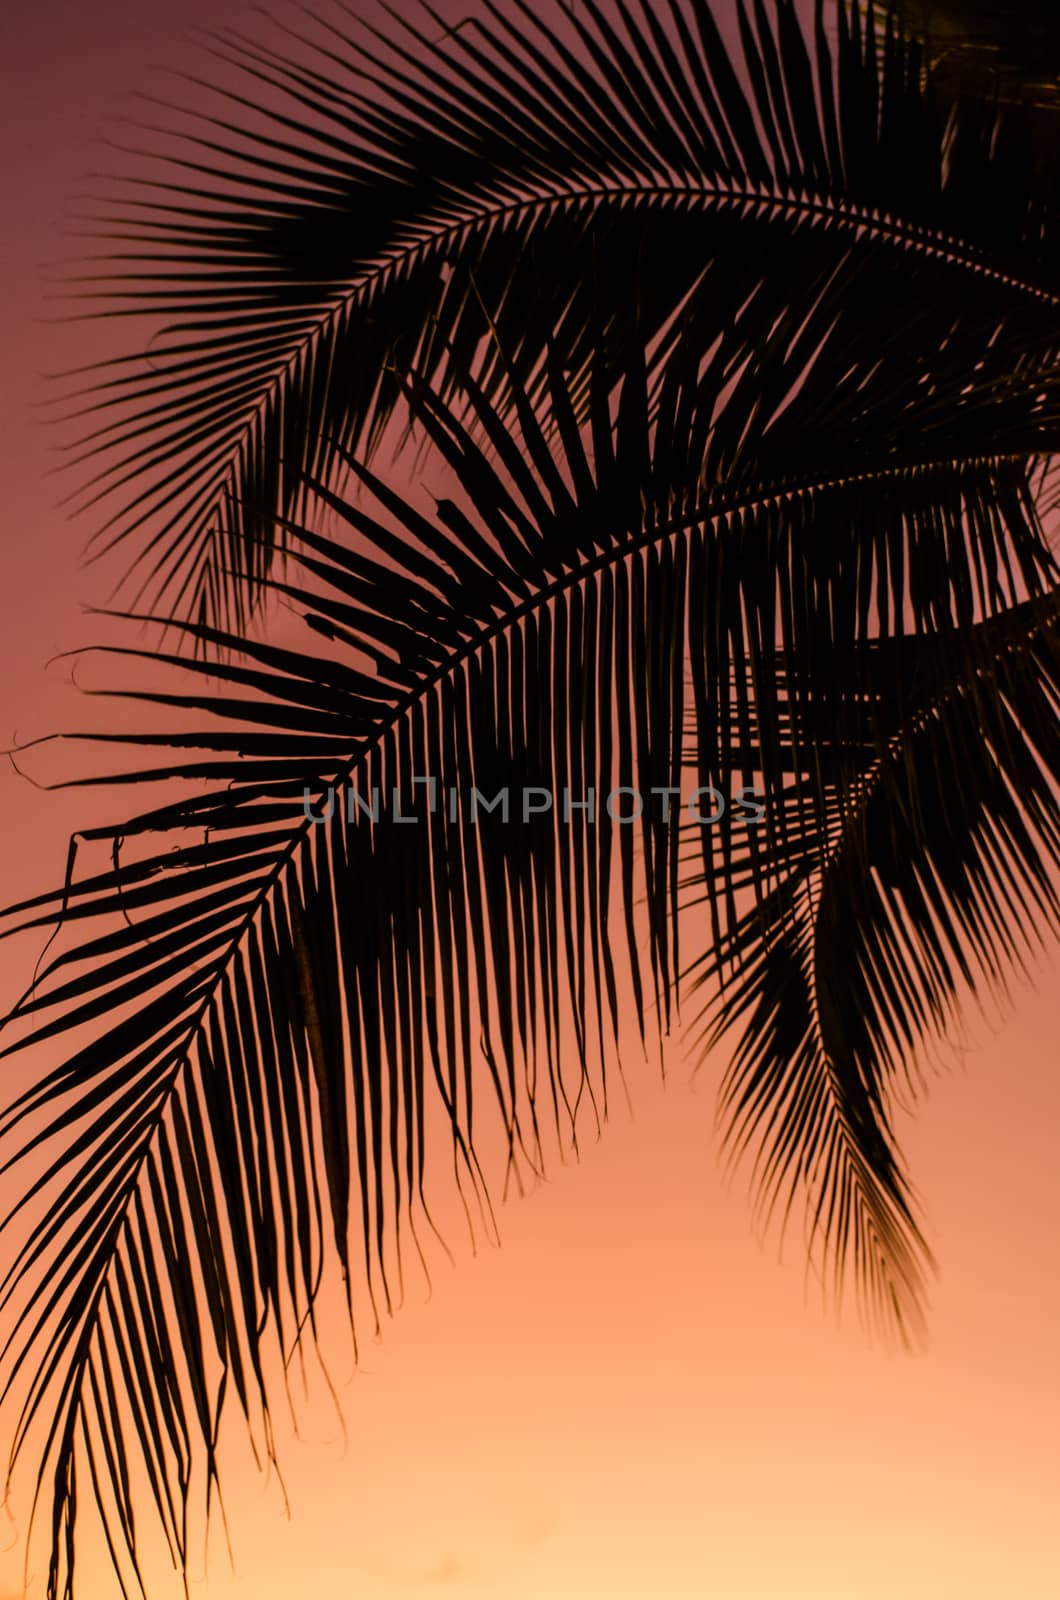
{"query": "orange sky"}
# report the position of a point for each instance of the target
(631, 1397)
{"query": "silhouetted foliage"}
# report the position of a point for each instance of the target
(742, 363)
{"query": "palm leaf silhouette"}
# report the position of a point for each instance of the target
(383, 199)
(767, 520)
(897, 884)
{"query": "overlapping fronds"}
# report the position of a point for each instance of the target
(355, 202)
(745, 377)
(263, 1006)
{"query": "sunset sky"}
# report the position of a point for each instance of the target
(632, 1397)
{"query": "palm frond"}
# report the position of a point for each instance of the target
(359, 203)
(918, 854)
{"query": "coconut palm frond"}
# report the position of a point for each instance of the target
(268, 1013)
(917, 856)
(356, 203)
